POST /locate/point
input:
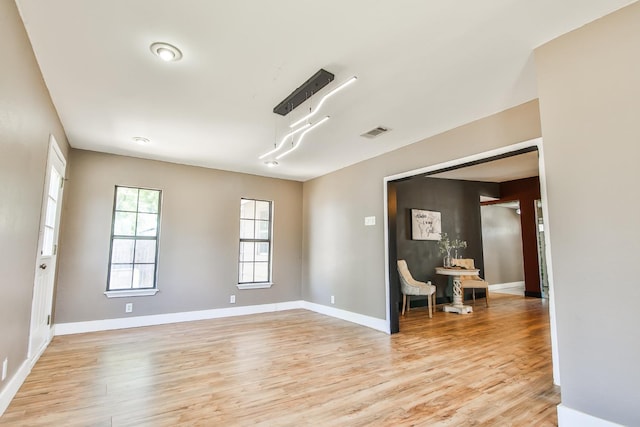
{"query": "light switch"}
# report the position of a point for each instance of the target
(369, 220)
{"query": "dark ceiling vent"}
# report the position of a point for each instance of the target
(375, 132)
(304, 92)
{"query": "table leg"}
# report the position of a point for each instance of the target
(457, 306)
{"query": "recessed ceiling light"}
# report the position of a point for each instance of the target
(141, 140)
(166, 52)
(271, 163)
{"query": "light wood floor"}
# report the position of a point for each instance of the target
(490, 368)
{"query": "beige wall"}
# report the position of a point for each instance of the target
(501, 245)
(589, 86)
(27, 117)
(198, 243)
(344, 258)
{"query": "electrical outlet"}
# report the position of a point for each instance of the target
(232, 299)
(333, 299)
(5, 365)
(128, 307)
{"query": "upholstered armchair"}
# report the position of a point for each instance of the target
(471, 282)
(410, 286)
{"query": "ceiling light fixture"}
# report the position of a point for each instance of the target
(166, 52)
(271, 163)
(284, 139)
(324, 98)
(141, 140)
(297, 144)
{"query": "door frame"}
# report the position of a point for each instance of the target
(53, 152)
(389, 212)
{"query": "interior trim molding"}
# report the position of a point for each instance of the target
(506, 285)
(570, 417)
(15, 382)
(368, 321)
(163, 319)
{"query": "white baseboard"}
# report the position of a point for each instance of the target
(506, 285)
(360, 319)
(14, 384)
(162, 319)
(568, 417)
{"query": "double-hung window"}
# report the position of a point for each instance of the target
(256, 217)
(133, 260)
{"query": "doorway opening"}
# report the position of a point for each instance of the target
(396, 211)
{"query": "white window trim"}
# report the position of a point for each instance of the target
(256, 285)
(131, 293)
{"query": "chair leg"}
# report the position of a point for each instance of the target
(434, 302)
(487, 297)
(404, 303)
(474, 296)
(429, 304)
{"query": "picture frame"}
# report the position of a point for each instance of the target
(425, 225)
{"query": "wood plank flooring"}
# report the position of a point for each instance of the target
(490, 368)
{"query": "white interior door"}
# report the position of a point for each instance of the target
(46, 259)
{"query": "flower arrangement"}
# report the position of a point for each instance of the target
(447, 244)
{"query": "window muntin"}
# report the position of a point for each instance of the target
(255, 241)
(134, 239)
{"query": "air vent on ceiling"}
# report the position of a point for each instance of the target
(375, 132)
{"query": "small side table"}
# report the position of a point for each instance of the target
(457, 306)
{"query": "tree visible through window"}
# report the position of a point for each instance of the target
(134, 239)
(255, 241)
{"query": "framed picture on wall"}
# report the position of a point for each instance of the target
(425, 225)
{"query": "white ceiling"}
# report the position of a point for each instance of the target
(423, 67)
(506, 169)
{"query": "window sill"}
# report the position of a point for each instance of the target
(131, 293)
(264, 285)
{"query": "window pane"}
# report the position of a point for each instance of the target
(124, 224)
(50, 218)
(262, 251)
(246, 229)
(149, 201)
(246, 272)
(247, 209)
(122, 251)
(262, 210)
(54, 184)
(143, 276)
(261, 272)
(262, 229)
(134, 240)
(126, 199)
(120, 276)
(255, 241)
(147, 224)
(246, 251)
(145, 251)
(47, 241)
